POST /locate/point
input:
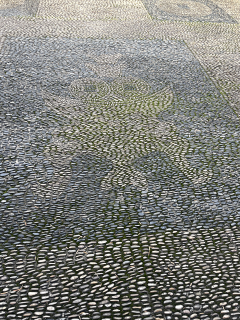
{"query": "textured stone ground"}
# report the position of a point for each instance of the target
(119, 159)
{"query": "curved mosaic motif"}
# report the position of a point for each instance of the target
(190, 10)
(71, 248)
(117, 121)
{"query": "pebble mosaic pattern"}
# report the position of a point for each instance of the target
(87, 10)
(18, 7)
(187, 10)
(119, 166)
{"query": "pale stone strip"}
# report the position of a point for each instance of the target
(93, 10)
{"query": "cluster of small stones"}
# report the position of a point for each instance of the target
(119, 163)
(169, 275)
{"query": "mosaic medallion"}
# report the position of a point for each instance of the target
(117, 118)
(118, 121)
(187, 10)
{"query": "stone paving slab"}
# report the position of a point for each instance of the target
(119, 162)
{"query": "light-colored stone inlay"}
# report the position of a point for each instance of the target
(93, 10)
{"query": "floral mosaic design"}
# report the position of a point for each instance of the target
(187, 10)
(119, 122)
(120, 107)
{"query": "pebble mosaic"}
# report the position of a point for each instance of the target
(119, 160)
(187, 10)
(18, 7)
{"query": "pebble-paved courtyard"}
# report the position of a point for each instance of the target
(120, 159)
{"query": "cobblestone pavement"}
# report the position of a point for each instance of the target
(119, 159)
